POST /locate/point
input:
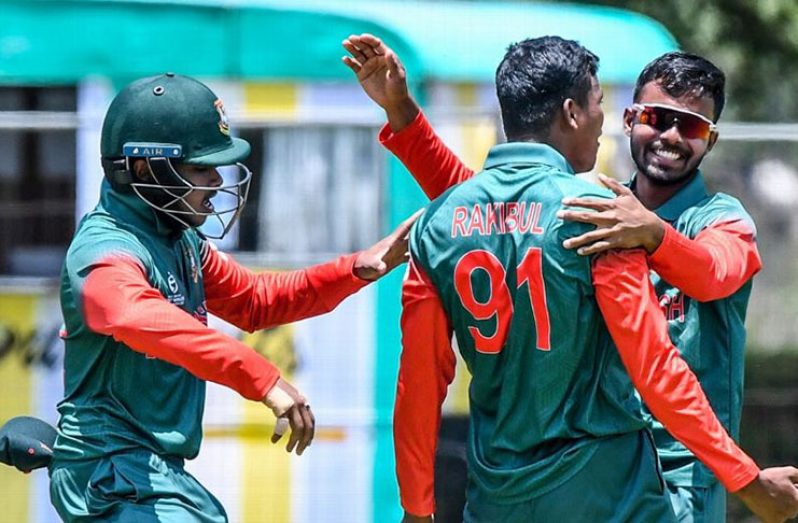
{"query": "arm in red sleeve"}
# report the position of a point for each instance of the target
(253, 301)
(667, 385)
(434, 166)
(713, 265)
(118, 301)
(425, 371)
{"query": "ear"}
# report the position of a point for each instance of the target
(141, 170)
(569, 113)
(713, 139)
(628, 121)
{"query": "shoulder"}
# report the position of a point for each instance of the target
(572, 186)
(721, 207)
(98, 239)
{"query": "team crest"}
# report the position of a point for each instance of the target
(224, 124)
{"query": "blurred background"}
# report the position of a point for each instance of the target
(324, 186)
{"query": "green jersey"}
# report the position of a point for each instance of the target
(547, 383)
(707, 327)
(116, 398)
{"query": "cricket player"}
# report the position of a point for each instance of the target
(701, 246)
(137, 285)
(551, 411)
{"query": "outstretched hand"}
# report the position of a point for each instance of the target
(773, 495)
(621, 223)
(382, 77)
(291, 409)
(388, 253)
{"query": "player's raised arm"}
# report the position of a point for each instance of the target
(382, 77)
(408, 134)
(672, 392)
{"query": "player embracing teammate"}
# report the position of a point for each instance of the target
(556, 432)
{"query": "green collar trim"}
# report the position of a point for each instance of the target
(132, 210)
(528, 154)
(686, 197)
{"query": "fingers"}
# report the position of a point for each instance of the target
(309, 423)
(356, 53)
(597, 204)
(351, 63)
(596, 248)
(303, 428)
(279, 428)
(395, 68)
(297, 427)
(404, 227)
(583, 241)
(595, 218)
(372, 41)
(364, 46)
(369, 44)
(613, 185)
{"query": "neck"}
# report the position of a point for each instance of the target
(653, 195)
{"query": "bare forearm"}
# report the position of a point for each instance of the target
(401, 114)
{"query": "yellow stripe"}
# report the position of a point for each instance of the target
(478, 136)
(262, 432)
(16, 319)
(266, 474)
(277, 99)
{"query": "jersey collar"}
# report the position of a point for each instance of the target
(526, 153)
(686, 197)
(131, 209)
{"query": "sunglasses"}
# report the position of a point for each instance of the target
(663, 117)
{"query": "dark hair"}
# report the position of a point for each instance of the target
(681, 74)
(535, 77)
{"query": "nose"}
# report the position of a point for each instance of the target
(216, 178)
(672, 134)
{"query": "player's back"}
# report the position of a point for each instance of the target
(546, 381)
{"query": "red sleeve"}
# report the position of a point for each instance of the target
(668, 387)
(712, 266)
(118, 301)
(425, 371)
(253, 301)
(434, 166)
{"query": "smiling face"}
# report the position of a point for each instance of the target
(667, 158)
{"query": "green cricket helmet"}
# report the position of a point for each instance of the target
(168, 120)
(27, 443)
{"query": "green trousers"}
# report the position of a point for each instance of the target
(134, 487)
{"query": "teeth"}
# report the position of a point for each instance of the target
(667, 154)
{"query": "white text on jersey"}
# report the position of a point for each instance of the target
(497, 218)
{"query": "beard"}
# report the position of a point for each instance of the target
(663, 177)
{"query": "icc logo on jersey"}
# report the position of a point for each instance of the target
(174, 296)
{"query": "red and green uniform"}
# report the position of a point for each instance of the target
(135, 296)
(549, 390)
(702, 274)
